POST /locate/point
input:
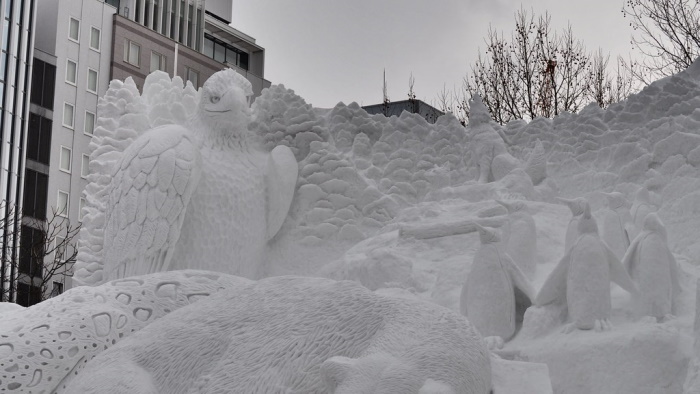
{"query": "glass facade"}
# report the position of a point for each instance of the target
(179, 20)
(224, 52)
(17, 17)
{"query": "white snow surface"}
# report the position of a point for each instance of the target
(301, 335)
(44, 346)
(388, 201)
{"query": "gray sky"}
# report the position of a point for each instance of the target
(335, 50)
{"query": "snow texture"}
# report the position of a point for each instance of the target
(385, 200)
(162, 206)
(520, 236)
(44, 346)
(292, 334)
(582, 278)
(652, 266)
(616, 224)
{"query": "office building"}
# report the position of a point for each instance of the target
(17, 39)
(80, 47)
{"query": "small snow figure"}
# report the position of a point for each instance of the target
(493, 288)
(576, 206)
(582, 278)
(617, 224)
(641, 207)
(652, 266)
(203, 196)
(520, 236)
(488, 147)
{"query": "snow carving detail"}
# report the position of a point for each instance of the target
(489, 152)
(582, 279)
(293, 334)
(48, 344)
(195, 191)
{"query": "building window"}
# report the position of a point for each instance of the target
(74, 30)
(157, 61)
(28, 295)
(57, 289)
(132, 53)
(92, 81)
(85, 166)
(224, 52)
(60, 249)
(81, 207)
(31, 253)
(71, 72)
(39, 138)
(193, 76)
(89, 123)
(95, 38)
(64, 162)
(36, 187)
(62, 203)
(68, 112)
(43, 80)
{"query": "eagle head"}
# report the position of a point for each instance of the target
(224, 106)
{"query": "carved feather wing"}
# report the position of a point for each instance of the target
(148, 195)
(281, 180)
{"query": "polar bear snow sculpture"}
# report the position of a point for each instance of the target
(301, 335)
(202, 192)
(46, 344)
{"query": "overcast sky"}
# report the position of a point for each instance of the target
(335, 50)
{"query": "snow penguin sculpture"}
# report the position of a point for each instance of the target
(493, 288)
(617, 224)
(652, 266)
(582, 278)
(520, 236)
(488, 145)
(576, 206)
(641, 207)
(204, 196)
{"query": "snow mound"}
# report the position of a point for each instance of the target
(304, 335)
(45, 345)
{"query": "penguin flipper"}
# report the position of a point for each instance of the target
(630, 258)
(618, 274)
(520, 282)
(554, 288)
(675, 283)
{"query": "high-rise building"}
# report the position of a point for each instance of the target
(17, 40)
(80, 46)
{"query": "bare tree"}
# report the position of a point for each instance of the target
(535, 72)
(455, 102)
(666, 32)
(605, 88)
(385, 96)
(46, 253)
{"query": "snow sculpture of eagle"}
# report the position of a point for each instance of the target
(200, 194)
